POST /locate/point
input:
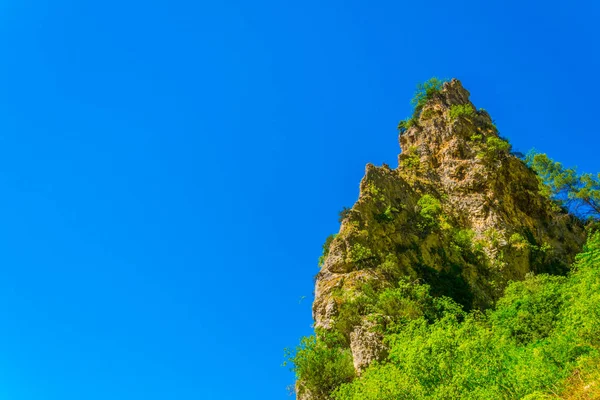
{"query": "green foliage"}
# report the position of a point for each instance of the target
(372, 189)
(471, 250)
(344, 213)
(411, 159)
(463, 238)
(495, 149)
(326, 246)
(359, 253)
(529, 309)
(461, 110)
(410, 301)
(541, 341)
(477, 137)
(579, 192)
(493, 237)
(321, 363)
(430, 113)
(387, 215)
(425, 92)
(352, 306)
(519, 242)
(429, 211)
(406, 124)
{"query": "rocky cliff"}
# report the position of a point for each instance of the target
(460, 213)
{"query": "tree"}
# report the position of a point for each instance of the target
(578, 192)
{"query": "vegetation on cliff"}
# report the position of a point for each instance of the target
(542, 340)
(460, 274)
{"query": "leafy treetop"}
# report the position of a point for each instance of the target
(578, 192)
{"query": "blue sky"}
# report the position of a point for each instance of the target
(170, 169)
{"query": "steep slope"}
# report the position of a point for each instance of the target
(460, 213)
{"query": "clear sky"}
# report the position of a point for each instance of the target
(170, 169)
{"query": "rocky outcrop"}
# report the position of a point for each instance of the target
(460, 213)
(366, 345)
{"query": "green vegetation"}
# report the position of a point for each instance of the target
(495, 149)
(461, 110)
(437, 297)
(326, 246)
(405, 125)
(411, 159)
(463, 239)
(322, 363)
(518, 241)
(429, 211)
(372, 189)
(344, 213)
(425, 91)
(387, 215)
(430, 113)
(579, 192)
(542, 340)
(359, 253)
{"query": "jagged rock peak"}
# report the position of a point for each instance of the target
(447, 116)
(460, 213)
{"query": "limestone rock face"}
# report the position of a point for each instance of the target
(489, 224)
(366, 345)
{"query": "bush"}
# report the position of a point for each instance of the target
(541, 341)
(429, 211)
(425, 92)
(359, 253)
(518, 241)
(495, 149)
(463, 239)
(529, 309)
(461, 110)
(326, 246)
(320, 363)
(344, 213)
(411, 159)
(405, 125)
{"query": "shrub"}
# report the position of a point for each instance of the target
(326, 246)
(495, 149)
(463, 239)
(541, 341)
(529, 309)
(344, 213)
(387, 215)
(320, 363)
(411, 159)
(518, 241)
(372, 189)
(425, 92)
(429, 211)
(359, 253)
(405, 125)
(461, 110)
(351, 310)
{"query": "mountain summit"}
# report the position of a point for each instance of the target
(461, 214)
